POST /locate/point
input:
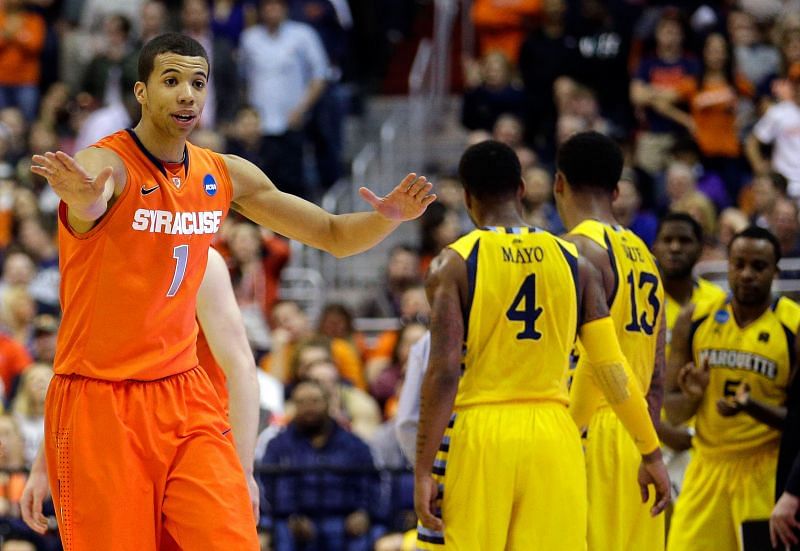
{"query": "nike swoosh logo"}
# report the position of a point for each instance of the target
(149, 190)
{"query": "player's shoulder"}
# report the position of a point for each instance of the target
(788, 312)
(703, 308)
(707, 290)
(592, 230)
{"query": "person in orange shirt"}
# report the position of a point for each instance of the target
(290, 328)
(21, 41)
(14, 358)
(137, 215)
(502, 25)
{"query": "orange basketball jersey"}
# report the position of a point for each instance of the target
(129, 285)
(218, 379)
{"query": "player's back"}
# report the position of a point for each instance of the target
(637, 296)
(521, 316)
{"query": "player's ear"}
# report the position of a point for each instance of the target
(615, 193)
(558, 184)
(140, 91)
(521, 188)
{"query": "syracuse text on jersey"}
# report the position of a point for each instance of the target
(177, 223)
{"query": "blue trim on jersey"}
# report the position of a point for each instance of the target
(429, 536)
(790, 340)
(692, 330)
(613, 261)
(573, 267)
(472, 274)
(155, 160)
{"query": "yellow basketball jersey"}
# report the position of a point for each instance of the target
(637, 298)
(760, 354)
(522, 316)
(703, 291)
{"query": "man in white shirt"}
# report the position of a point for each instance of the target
(780, 128)
(285, 67)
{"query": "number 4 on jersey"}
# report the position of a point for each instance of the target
(529, 313)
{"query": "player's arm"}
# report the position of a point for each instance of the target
(407, 417)
(680, 406)
(655, 393)
(256, 197)
(87, 184)
(446, 286)
(221, 320)
(37, 490)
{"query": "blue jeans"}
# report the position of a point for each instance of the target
(25, 97)
(330, 536)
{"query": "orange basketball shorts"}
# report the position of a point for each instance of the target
(127, 460)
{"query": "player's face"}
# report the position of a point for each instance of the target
(751, 269)
(676, 249)
(175, 93)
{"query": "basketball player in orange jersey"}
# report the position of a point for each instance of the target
(227, 358)
(136, 442)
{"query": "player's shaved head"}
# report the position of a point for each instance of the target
(168, 43)
(490, 170)
(590, 161)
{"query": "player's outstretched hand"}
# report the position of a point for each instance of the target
(70, 181)
(653, 471)
(426, 493)
(35, 493)
(693, 380)
(783, 521)
(405, 202)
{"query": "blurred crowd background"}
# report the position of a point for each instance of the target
(704, 97)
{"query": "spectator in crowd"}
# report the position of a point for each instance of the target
(230, 17)
(222, 97)
(246, 139)
(28, 408)
(402, 270)
(22, 35)
(336, 322)
(314, 503)
(713, 110)
(503, 26)
(783, 222)
(286, 69)
(18, 270)
(14, 359)
(508, 129)
(450, 193)
(542, 59)
(438, 227)
(42, 345)
(290, 329)
(333, 21)
(757, 199)
(627, 207)
(256, 260)
(351, 407)
(153, 21)
(660, 85)
(780, 128)
(38, 242)
(384, 384)
(104, 74)
(680, 182)
(600, 59)
(709, 183)
(538, 201)
(110, 118)
(491, 92)
(731, 222)
(17, 310)
(15, 122)
(755, 58)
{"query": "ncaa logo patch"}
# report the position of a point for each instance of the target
(721, 316)
(210, 185)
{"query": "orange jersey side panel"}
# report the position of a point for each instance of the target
(129, 286)
(213, 369)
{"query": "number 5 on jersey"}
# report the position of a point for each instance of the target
(529, 313)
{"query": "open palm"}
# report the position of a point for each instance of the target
(69, 180)
(407, 201)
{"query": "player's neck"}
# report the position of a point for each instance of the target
(505, 214)
(679, 289)
(746, 314)
(589, 207)
(161, 146)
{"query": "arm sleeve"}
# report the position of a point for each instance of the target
(612, 375)
(408, 405)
